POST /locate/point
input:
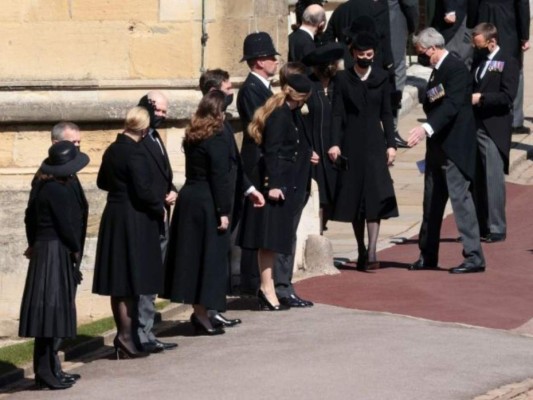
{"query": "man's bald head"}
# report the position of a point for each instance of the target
(157, 105)
(314, 16)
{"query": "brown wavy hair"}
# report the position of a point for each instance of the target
(207, 119)
(257, 125)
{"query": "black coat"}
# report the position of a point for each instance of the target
(363, 129)
(443, 7)
(252, 95)
(346, 13)
(159, 165)
(48, 307)
(498, 88)
(196, 266)
(511, 18)
(270, 227)
(319, 118)
(300, 44)
(128, 254)
(450, 114)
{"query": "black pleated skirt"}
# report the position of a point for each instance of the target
(48, 307)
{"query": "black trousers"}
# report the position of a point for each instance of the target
(44, 361)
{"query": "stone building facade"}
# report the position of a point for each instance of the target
(88, 62)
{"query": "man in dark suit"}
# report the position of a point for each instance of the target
(70, 132)
(218, 79)
(260, 55)
(403, 16)
(450, 20)
(302, 40)
(450, 161)
(495, 80)
(157, 104)
(512, 19)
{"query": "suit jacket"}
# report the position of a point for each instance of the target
(300, 44)
(511, 18)
(448, 106)
(498, 88)
(252, 95)
(346, 13)
(444, 7)
(159, 165)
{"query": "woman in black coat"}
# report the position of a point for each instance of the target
(324, 62)
(48, 309)
(196, 266)
(128, 254)
(270, 229)
(363, 131)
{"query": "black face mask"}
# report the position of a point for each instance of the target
(482, 53)
(156, 121)
(364, 62)
(228, 99)
(424, 60)
(326, 71)
(78, 148)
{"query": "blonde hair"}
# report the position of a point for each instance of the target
(257, 125)
(137, 119)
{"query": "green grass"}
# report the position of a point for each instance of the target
(17, 355)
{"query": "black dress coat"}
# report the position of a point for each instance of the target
(159, 166)
(346, 13)
(319, 121)
(363, 129)
(270, 227)
(448, 106)
(498, 89)
(300, 44)
(128, 254)
(52, 226)
(511, 18)
(196, 266)
(252, 95)
(443, 7)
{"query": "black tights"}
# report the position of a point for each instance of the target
(124, 312)
(373, 233)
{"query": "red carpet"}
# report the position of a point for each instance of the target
(502, 297)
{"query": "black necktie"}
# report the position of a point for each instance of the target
(480, 69)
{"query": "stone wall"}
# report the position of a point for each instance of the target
(89, 61)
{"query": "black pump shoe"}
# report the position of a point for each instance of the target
(265, 305)
(220, 320)
(201, 329)
(121, 351)
(51, 383)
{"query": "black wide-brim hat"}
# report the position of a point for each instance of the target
(299, 82)
(365, 41)
(324, 54)
(363, 23)
(63, 160)
(258, 44)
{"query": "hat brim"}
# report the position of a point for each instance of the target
(322, 57)
(73, 166)
(252, 57)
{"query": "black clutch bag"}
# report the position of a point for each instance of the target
(341, 163)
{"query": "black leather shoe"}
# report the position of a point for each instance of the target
(292, 301)
(494, 237)
(465, 268)
(400, 143)
(76, 377)
(265, 305)
(201, 329)
(306, 302)
(166, 345)
(152, 347)
(421, 264)
(66, 379)
(220, 320)
(521, 130)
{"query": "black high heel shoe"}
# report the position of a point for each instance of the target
(265, 305)
(121, 351)
(201, 329)
(52, 384)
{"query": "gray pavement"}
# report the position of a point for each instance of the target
(318, 353)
